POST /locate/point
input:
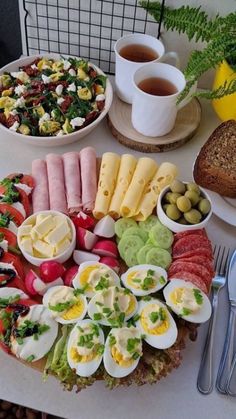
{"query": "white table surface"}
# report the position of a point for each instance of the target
(173, 397)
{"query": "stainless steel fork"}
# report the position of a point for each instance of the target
(205, 375)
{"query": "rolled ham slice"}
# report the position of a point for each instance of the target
(56, 183)
(40, 195)
(88, 167)
(72, 181)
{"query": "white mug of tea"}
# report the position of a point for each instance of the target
(156, 88)
(133, 51)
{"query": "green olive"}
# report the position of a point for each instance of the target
(204, 206)
(191, 186)
(193, 216)
(193, 196)
(172, 212)
(183, 204)
(177, 186)
(182, 220)
(171, 197)
(165, 207)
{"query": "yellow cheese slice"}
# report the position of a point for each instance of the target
(127, 167)
(46, 250)
(163, 177)
(144, 172)
(107, 181)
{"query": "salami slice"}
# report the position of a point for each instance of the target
(191, 267)
(72, 181)
(200, 260)
(193, 278)
(40, 194)
(181, 234)
(190, 242)
(56, 183)
(199, 251)
(88, 167)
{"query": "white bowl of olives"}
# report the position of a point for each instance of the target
(184, 206)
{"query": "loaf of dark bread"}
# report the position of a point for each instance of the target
(215, 166)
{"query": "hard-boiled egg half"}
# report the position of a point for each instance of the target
(156, 323)
(85, 347)
(144, 279)
(112, 306)
(123, 349)
(187, 301)
(66, 305)
(94, 276)
(9, 295)
(33, 334)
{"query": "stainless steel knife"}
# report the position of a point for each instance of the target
(225, 373)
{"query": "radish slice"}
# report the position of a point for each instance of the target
(80, 256)
(111, 262)
(85, 238)
(30, 277)
(58, 281)
(105, 227)
(69, 275)
(83, 220)
(106, 248)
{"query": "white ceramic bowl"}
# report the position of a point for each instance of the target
(54, 140)
(62, 257)
(173, 225)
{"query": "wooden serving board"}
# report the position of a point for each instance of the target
(119, 122)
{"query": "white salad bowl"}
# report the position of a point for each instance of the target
(174, 225)
(61, 257)
(49, 141)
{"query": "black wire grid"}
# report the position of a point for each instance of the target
(84, 28)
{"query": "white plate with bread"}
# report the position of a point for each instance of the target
(215, 170)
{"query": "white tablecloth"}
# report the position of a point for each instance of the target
(173, 397)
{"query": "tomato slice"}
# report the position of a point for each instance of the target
(15, 260)
(15, 214)
(26, 179)
(24, 200)
(9, 236)
(27, 302)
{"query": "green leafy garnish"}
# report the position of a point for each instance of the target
(150, 272)
(132, 344)
(135, 355)
(97, 316)
(11, 194)
(30, 328)
(198, 296)
(148, 283)
(154, 316)
(162, 280)
(100, 349)
(116, 307)
(5, 219)
(102, 284)
(112, 340)
(162, 314)
(59, 307)
(146, 298)
(30, 358)
(4, 302)
(185, 311)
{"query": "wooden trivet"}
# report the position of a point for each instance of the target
(187, 122)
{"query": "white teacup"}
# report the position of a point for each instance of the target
(125, 68)
(154, 115)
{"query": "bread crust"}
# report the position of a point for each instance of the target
(215, 166)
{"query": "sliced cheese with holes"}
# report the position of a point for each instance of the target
(127, 167)
(166, 173)
(144, 172)
(106, 185)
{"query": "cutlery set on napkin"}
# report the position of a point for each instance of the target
(226, 377)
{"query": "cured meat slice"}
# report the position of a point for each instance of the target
(181, 234)
(40, 194)
(189, 243)
(88, 169)
(193, 278)
(72, 181)
(200, 260)
(191, 267)
(56, 183)
(199, 251)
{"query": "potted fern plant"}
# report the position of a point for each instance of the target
(219, 35)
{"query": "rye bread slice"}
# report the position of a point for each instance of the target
(215, 166)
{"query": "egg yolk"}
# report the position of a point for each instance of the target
(74, 312)
(84, 276)
(131, 306)
(76, 357)
(184, 298)
(119, 359)
(160, 329)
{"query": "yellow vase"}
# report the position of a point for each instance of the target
(226, 106)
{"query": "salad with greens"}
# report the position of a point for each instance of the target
(51, 97)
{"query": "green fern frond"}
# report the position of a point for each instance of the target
(192, 21)
(228, 88)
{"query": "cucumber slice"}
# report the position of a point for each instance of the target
(161, 236)
(123, 224)
(129, 243)
(150, 222)
(136, 231)
(159, 257)
(131, 258)
(142, 253)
